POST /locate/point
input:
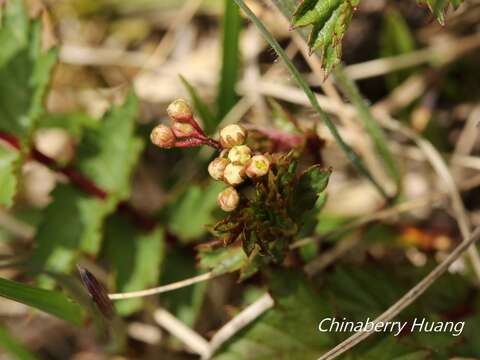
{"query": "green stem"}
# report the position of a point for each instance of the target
(349, 152)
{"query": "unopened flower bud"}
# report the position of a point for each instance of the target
(228, 199)
(257, 166)
(217, 167)
(232, 135)
(183, 129)
(163, 137)
(239, 154)
(179, 110)
(233, 174)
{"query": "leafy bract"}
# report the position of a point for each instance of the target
(440, 7)
(24, 75)
(52, 302)
(73, 220)
(330, 20)
(135, 257)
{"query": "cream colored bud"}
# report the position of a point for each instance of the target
(217, 167)
(232, 135)
(163, 137)
(240, 154)
(257, 166)
(183, 129)
(228, 199)
(179, 110)
(233, 174)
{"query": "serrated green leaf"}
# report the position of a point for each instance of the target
(194, 207)
(222, 260)
(73, 220)
(330, 20)
(24, 76)
(52, 302)
(440, 7)
(289, 330)
(307, 190)
(135, 258)
(13, 347)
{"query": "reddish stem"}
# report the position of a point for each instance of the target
(88, 186)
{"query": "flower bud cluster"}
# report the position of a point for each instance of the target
(184, 132)
(235, 164)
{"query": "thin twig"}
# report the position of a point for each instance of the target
(412, 295)
(164, 288)
(190, 338)
(244, 318)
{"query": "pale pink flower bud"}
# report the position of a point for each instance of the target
(239, 154)
(233, 174)
(257, 166)
(217, 167)
(228, 199)
(163, 137)
(179, 110)
(232, 135)
(183, 129)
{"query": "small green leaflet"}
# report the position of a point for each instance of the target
(330, 20)
(8, 180)
(440, 7)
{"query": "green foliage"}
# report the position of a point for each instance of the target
(232, 24)
(222, 260)
(73, 221)
(440, 7)
(11, 346)
(330, 20)
(135, 258)
(52, 302)
(24, 75)
(193, 210)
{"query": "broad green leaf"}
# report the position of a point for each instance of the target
(371, 125)
(193, 210)
(330, 20)
(24, 75)
(289, 330)
(135, 258)
(52, 302)
(232, 25)
(307, 190)
(440, 7)
(8, 178)
(208, 119)
(13, 347)
(73, 221)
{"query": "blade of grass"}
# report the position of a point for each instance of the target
(349, 152)
(227, 97)
(350, 89)
(208, 118)
(52, 302)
